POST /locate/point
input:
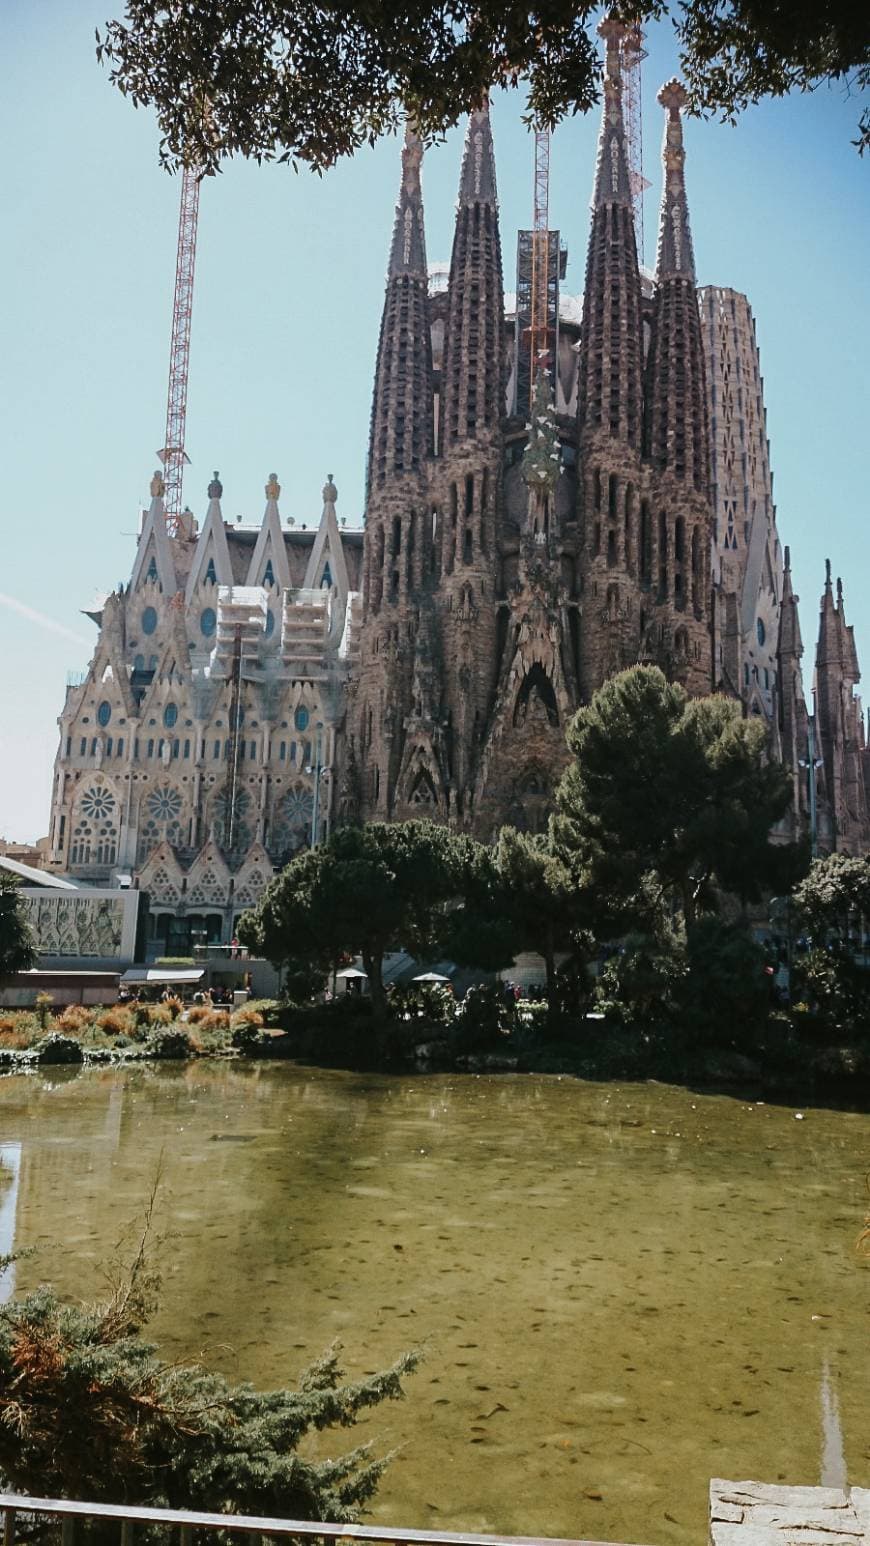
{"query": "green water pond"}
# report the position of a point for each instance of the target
(621, 1291)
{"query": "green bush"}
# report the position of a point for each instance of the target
(173, 1042)
(249, 1038)
(484, 1020)
(58, 1049)
(726, 998)
(639, 981)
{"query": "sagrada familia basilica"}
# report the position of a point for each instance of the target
(523, 540)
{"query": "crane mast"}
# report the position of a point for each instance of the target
(539, 330)
(173, 454)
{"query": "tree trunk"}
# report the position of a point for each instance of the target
(373, 963)
(550, 969)
(688, 901)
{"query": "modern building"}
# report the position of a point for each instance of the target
(523, 540)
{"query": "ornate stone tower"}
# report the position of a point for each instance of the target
(467, 489)
(398, 542)
(677, 440)
(614, 516)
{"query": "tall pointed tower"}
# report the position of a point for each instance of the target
(468, 486)
(610, 402)
(398, 534)
(677, 432)
(840, 728)
(791, 723)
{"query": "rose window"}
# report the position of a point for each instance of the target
(98, 804)
(164, 804)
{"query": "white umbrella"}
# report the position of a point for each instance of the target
(350, 971)
(430, 977)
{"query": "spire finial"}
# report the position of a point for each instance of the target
(612, 182)
(477, 183)
(787, 559)
(408, 252)
(675, 255)
(839, 591)
(330, 492)
(158, 484)
(215, 488)
(827, 574)
(273, 487)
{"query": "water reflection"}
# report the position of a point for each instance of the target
(621, 1291)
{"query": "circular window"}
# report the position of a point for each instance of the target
(149, 620)
(104, 713)
(270, 624)
(170, 715)
(300, 719)
(760, 630)
(208, 621)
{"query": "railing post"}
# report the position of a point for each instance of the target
(67, 1530)
(8, 1526)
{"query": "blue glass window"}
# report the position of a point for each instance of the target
(207, 621)
(270, 624)
(211, 572)
(170, 715)
(151, 748)
(139, 663)
(282, 751)
(120, 751)
(83, 746)
(300, 718)
(104, 713)
(187, 748)
(149, 620)
(269, 574)
(217, 750)
(109, 746)
(760, 630)
(326, 582)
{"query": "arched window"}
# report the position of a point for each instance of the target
(301, 718)
(170, 715)
(149, 620)
(270, 623)
(207, 622)
(760, 630)
(152, 569)
(104, 713)
(269, 574)
(211, 572)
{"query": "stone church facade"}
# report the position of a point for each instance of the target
(523, 540)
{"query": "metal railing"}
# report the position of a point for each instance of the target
(251, 1526)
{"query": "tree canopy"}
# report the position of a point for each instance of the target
(677, 788)
(835, 896)
(294, 80)
(364, 891)
(17, 948)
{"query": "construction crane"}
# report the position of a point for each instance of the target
(173, 454)
(539, 328)
(633, 54)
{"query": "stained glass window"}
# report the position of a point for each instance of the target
(149, 620)
(104, 713)
(208, 621)
(300, 718)
(170, 715)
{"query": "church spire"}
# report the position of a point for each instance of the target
(610, 396)
(675, 253)
(473, 385)
(676, 398)
(401, 426)
(408, 252)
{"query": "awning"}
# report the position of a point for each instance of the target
(167, 975)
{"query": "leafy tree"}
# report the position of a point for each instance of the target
(834, 897)
(17, 946)
(726, 994)
(89, 1409)
(677, 790)
(539, 897)
(362, 892)
(296, 80)
(642, 976)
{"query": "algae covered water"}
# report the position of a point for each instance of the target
(621, 1291)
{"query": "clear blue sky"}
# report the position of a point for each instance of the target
(289, 285)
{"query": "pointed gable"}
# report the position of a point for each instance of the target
(326, 564)
(253, 877)
(269, 565)
(209, 877)
(161, 876)
(153, 554)
(211, 561)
